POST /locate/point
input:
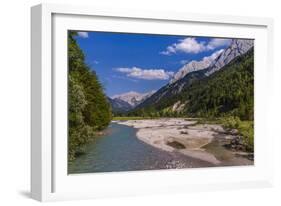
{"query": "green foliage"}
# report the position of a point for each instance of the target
(245, 129)
(88, 109)
(124, 118)
(229, 91)
(78, 137)
(77, 103)
(230, 122)
(225, 97)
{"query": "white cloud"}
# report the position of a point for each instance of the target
(213, 56)
(184, 61)
(148, 74)
(83, 34)
(187, 45)
(217, 42)
(191, 45)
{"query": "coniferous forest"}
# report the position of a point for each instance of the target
(229, 91)
(89, 111)
(125, 112)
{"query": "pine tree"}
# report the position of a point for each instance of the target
(88, 110)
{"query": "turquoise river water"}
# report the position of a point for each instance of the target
(120, 150)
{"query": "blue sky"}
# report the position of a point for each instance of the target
(142, 62)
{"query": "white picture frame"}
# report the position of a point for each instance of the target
(49, 179)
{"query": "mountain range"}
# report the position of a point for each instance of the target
(234, 85)
(195, 66)
(174, 95)
(119, 106)
(127, 101)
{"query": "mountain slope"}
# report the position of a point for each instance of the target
(118, 105)
(195, 66)
(227, 91)
(133, 98)
(166, 94)
(236, 48)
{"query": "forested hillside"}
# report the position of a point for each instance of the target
(89, 110)
(229, 91)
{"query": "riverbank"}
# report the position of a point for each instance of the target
(121, 150)
(201, 141)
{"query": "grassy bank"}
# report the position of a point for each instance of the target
(132, 118)
(245, 128)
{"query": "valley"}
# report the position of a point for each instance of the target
(206, 142)
(222, 93)
(197, 112)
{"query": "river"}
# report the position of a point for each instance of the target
(120, 150)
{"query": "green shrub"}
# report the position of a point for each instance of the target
(88, 109)
(231, 122)
(245, 129)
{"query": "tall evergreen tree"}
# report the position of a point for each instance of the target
(88, 110)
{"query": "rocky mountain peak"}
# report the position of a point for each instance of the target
(236, 48)
(133, 98)
(195, 66)
(217, 60)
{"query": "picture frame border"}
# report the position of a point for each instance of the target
(42, 86)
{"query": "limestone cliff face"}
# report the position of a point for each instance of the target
(195, 66)
(236, 48)
(198, 70)
(133, 98)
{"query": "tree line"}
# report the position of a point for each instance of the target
(228, 92)
(88, 108)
